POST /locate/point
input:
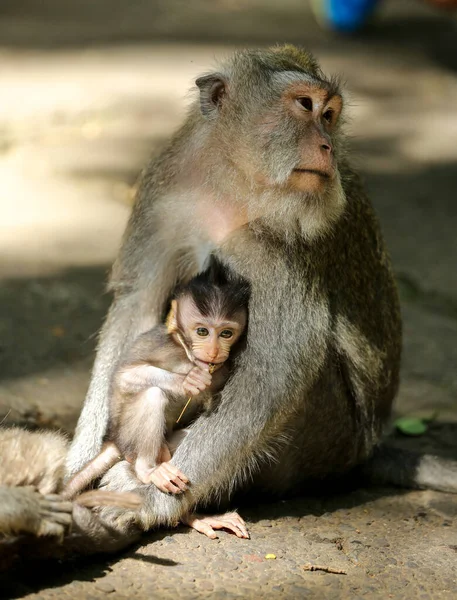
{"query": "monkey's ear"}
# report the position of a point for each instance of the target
(212, 91)
(172, 318)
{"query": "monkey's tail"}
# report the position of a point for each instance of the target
(95, 498)
(408, 469)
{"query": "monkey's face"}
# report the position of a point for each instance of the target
(276, 120)
(278, 125)
(295, 138)
(210, 337)
(315, 113)
(293, 157)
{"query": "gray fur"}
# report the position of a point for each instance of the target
(314, 386)
(35, 520)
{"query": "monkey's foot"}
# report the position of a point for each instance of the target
(167, 478)
(230, 521)
(56, 515)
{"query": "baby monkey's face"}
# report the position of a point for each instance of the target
(211, 337)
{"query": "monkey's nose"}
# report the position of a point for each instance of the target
(212, 353)
(326, 147)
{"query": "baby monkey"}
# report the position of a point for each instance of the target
(168, 376)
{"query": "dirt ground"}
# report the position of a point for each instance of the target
(89, 91)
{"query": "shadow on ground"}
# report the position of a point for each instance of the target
(299, 514)
(54, 574)
(50, 321)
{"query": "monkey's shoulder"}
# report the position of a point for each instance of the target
(157, 347)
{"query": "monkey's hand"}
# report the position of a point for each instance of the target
(167, 478)
(24, 510)
(157, 509)
(230, 521)
(196, 381)
(56, 515)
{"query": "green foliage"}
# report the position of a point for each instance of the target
(411, 425)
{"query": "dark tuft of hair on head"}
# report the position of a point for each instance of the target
(216, 294)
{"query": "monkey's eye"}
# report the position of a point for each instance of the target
(305, 103)
(328, 115)
(226, 333)
(202, 331)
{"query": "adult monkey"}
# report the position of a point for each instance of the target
(257, 176)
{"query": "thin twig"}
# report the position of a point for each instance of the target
(325, 569)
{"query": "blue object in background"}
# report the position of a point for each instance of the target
(344, 15)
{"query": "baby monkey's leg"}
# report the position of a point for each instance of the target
(166, 476)
(95, 468)
(152, 462)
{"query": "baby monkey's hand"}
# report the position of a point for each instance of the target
(196, 381)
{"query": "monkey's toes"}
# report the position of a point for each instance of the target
(166, 485)
(231, 522)
(55, 511)
(58, 503)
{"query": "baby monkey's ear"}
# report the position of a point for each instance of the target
(171, 321)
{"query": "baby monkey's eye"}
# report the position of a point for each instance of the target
(202, 331)
(226, 333)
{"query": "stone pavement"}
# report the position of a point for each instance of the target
(88, 92)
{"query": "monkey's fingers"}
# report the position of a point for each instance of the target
(59, 518)
(57, 503)
(198, 375)
(197, 381)
(204, 377)
(229, 521)
(174, 476)
(198, 385)
(236, 522)
(190, 389)
(54, 509)
(161, 479)
(173, 471)
(202, 527)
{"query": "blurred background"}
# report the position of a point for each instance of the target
(91, 88)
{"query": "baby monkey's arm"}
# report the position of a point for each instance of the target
(135, 378)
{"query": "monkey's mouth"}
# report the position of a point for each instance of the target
(211, 362)
(322, 174)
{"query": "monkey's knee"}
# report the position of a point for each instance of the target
(120, 478)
